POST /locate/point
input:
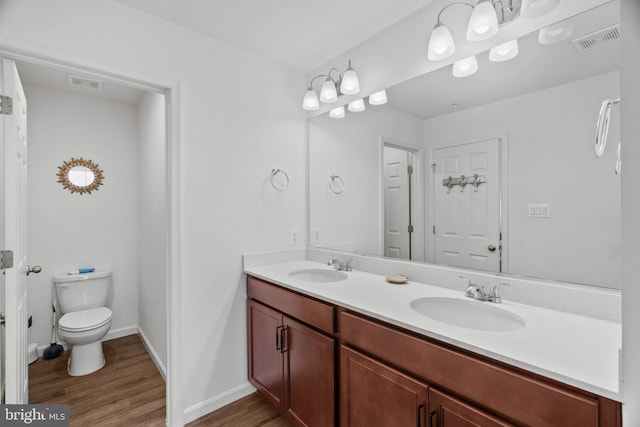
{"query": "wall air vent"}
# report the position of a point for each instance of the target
(85, 82)
(598, 38)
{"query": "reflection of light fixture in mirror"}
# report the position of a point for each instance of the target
(378, 98)
(356, 106)
(337, 113)
(332, 87)
(504, 51)
(483, 23)
(441, 44)
(555, 33)
(465, 67)
(536, 8)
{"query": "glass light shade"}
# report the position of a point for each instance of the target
(441, 43)
(356, 106)
(378, 98)
(328, 93)
(310, 101)
(350, 84)
(555, 33)
(535, 8)
(465, 67)
(483, 23)
(504, 52)
(337, 113)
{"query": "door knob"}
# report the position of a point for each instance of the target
(492, 248)
(35, 269)
(2, 319)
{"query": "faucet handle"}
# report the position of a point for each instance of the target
(494, 293)
(348, 264)
(465, 278)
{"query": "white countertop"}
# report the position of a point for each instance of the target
(577, 350)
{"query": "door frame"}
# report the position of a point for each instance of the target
(173, 113)
(503, 191)
(417, 195)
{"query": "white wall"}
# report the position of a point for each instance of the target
(152, 224)
(551, 161)
(351, 148)
(70, 231)
(240, 117)
(630, 109)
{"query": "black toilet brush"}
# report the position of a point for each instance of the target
(54, 350)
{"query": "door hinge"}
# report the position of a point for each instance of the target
(410, 169)
(434, 229)
(410, 228)
(6, 259)
(433, 167)
(6, 105)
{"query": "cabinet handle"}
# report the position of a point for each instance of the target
(431, 415)
(279, 338)
(284, 339)
(420, 408)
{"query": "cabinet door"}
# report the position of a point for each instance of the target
(446, 411)
(373, 394)
(309, 375)
(265, 357)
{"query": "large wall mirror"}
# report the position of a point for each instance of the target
(495, 171)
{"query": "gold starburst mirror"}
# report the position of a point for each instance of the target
(80, 176)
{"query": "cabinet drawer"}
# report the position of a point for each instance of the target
(309, 311)
(509, 394)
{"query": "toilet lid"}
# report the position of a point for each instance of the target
(85, 319)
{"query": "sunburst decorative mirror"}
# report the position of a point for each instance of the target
(80, 176)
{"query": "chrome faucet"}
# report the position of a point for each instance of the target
(478, 292)
(345, 265)
(494, 294)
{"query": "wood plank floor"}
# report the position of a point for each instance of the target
(250, 411)
(128, 391)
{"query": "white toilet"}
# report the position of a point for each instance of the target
(85, 318)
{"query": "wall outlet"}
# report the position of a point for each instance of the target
(293, 236)
(539, 211)
(315, 235)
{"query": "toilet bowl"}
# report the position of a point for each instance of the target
(85, 320)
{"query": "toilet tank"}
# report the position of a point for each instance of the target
(82, 291)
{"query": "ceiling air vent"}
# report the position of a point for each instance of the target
(598, 38)
(85, 82)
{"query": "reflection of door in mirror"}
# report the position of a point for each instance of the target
(467, 213)
(398, 229)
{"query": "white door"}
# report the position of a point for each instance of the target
(467, 217)
(14, 236)
(397, 203)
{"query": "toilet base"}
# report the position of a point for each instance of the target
(85, 359)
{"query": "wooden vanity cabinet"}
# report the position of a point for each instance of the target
(291, 363)
(447, 411)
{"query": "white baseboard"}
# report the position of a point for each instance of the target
(153, 354)
(216, 402)
(121, 332)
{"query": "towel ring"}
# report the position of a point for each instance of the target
(336, 184)
(275, 181)
(602, 126)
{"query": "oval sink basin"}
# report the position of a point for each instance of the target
(469, 314)
(318, 275)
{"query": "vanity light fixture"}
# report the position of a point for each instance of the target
(536, 8)
(555, 33)
(504, 52)
(356, 106)
(332, 87)
(483, 23)
(465, 67)
(337, 113)
(378, 98)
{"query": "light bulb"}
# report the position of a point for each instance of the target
(536, 8)
(504, 52)
(465, 67)
(328, 93)
(337, 113)
(555, 33)
(483, 23)
(356, 106)
(310, 101)
(441, 43)
(350, 84)
(378, 98)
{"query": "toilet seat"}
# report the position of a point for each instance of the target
(85, 320)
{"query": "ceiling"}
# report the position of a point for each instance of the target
(302, 34)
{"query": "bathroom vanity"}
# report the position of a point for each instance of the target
(323, 360)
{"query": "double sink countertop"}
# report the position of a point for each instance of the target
(577, 350)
